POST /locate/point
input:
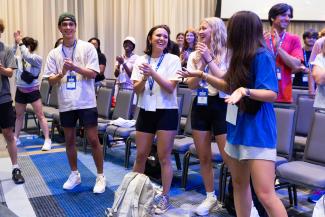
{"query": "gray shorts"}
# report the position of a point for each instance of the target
(242, 152)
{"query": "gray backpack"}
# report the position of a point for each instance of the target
(133, 198)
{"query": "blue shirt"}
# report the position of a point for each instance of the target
(258, 130)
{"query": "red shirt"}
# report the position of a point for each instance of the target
(291, 44)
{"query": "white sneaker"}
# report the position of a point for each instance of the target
(205, 207)
(100, 185)
(18, 142)
(73, 181)
(47, 145)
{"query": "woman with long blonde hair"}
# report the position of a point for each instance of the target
(209, 109)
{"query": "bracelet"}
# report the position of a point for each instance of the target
(205, 76)
(210, 61)
(201, 76)
(247, 92)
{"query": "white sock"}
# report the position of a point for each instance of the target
(100, 174)
(15, 166)
(211, 194)
(75, 172)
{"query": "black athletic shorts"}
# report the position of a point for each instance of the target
(7, 114)
(161, 119)
(86, 117)
(211, 117)
(25, 98)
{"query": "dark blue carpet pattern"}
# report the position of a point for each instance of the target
(80, 201)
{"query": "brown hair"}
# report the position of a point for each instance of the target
(148, 49)
(245, 36)
(2, 26)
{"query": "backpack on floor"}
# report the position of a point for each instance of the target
(319, 209)
(133, 198)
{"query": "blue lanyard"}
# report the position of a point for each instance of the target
(203, 83)
(275, 52)
(150, 79)
(305, 59)
(74, 47)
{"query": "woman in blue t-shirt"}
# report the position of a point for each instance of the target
(251, 141)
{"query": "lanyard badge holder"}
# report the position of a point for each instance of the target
(275, 52)
(71, 79)
(202, 91)
(150, 79)
(71, 82)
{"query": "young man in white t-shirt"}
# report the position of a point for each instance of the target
(73, 66)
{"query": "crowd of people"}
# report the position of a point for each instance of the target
(238, 69)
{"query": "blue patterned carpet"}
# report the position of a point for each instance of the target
(45, 173)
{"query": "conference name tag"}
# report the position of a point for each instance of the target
(71, 82)
(202, 96)
(231, 116)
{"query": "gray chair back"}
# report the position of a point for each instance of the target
(187, 93)
(315, 148)
(304, 114)
(180, 103)
(110, 84)
(286, 117)
(296, 92)
(45, 91)
(188, 126)
(123, 106)
(53, 99)
(104, 101)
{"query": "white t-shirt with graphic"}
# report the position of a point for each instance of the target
(159, 99)
(84, 55)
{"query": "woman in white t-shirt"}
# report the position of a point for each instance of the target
(155, 81)
(318, 74)
(208, 116)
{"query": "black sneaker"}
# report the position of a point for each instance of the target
(17, 177)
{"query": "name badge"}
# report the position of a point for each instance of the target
(71, 82)
(305, 78)
(278, 73)
(202, 96)
(231, 116)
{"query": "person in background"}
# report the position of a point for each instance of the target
(73, 67)
(124, 64)
(300, 78)
(155, 81)
(7, 120)
(285, 47)
(318, 74)
(208, 117)
(101, 59)
(28, 91)
(317, 49)
(189, 45)
(180, 39)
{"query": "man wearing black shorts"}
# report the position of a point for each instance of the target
(7, 120)
(73, 67)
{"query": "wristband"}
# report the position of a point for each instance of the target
(21, 44)
(247, 92)
(210, 61)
